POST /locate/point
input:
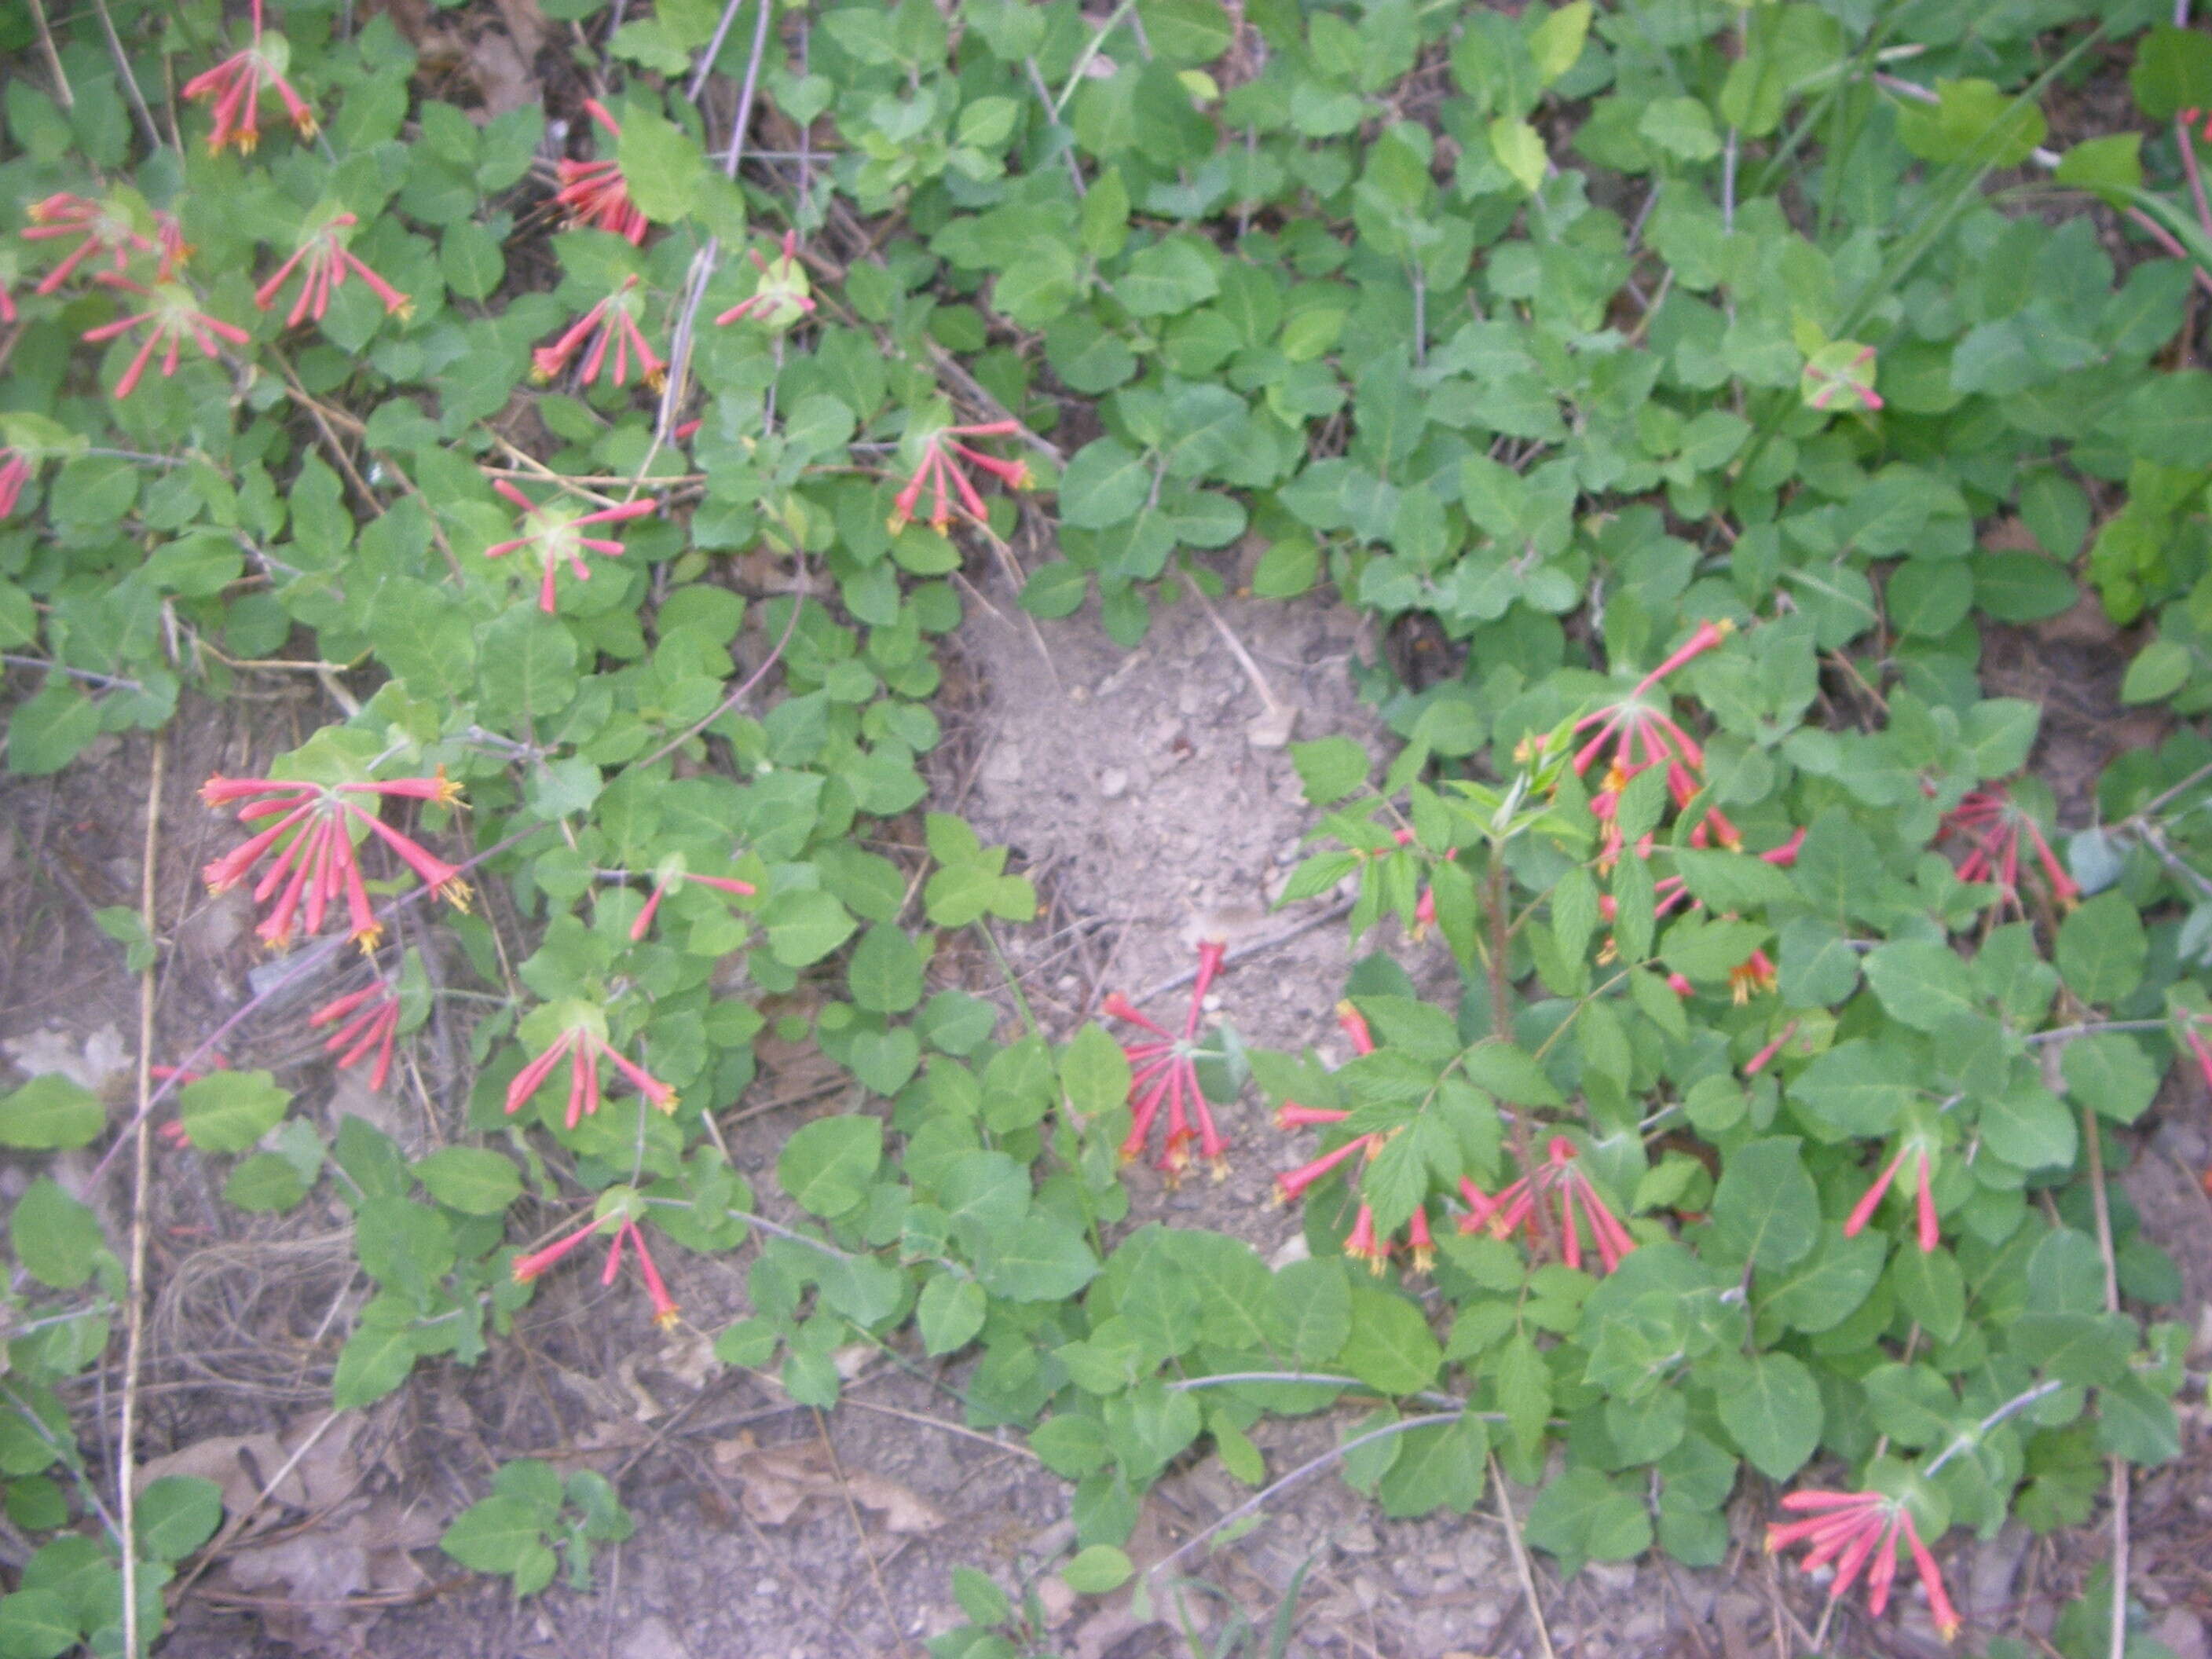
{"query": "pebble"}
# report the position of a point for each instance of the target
(1113, 783)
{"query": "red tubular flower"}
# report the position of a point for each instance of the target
(553, 531)
(106, 229)
(941, 475)
(1165, 1070)
(584, 1049)
(1859, 1533)
(233, 89)
(719, 884)
(317, 867)
(595, 192)
(1364, 1242)
(615, 320)
(1760, 1061)
(1641, 735)
(328, 263)
(782, 296)
(372, 1020)
(664, 1310)
(16, 471)
(173, 311)
(1990, 826)
(1560, 1181)
(529, 1267)
(1931, 1232)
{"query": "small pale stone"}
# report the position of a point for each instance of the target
(1113, 783)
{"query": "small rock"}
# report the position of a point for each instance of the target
(1003, 764)
(1057, 1600)
(651, 1639)
(1610, 1578)
(1272, 729)
(1113, 783)
(2182, 1633)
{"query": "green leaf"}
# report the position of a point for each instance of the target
(1682, 127)
(1104, 485)
(264, 1184)
(826, 1165)
(1330, 768)
(376, 1358)
(804, 924)
(57, 1239)
(1519, 151)
(2102, 949)
(37, 1623)
(1312, 1301)
(2029, 1128)
(1390, 1347)
(1042, 1260)
(1827, 1286)
(1583, 1517)
(500, 1534)
(474, 1180)
(1972, 120)
(950, 1312)
(981, 1599)
(2159, 669)
(175, 1514)
(1182, 32)
(470, 257)
(2172, 71)
(1770, 1405)
(661, 163)
(1766, 1209)
(1167, 277)
(1094, 1073)
(1557, 42)
(2110, 167)
(2111, 1074)
(1923, 983)
(885, 973)
(228, 1111)
(51, 1112)
(1095, 1571)
(1440, 1466)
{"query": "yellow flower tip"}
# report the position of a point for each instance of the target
(449, 792)
(304, 121)
(656, 379)
(457, 894)
(404, 311)
(668, 1106)
(669, 1317)
(1219, 1169)
(1423, 1260)
(368, 938)
(897, 522)
(1377, 1262)
(1724, 627)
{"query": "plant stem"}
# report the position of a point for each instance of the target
(1501, 1017)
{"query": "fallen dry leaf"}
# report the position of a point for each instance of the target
(242, 1464)
(775, 1481)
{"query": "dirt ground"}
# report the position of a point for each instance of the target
(1148, 795)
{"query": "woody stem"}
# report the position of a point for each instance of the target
(1501, 1015)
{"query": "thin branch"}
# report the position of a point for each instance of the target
(1521, 1568)
(134, 1341)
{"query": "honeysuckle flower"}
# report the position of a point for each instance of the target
(941, 473)
(104, 227)
(1990, 824)
(173, 315)
(584, 1045)
(1641, 735)
(329, 262)
(555, 534)
(372, 1020)
(1760, 1061)
(615, 320)
(1166, 1070)
(670, 878)
(1841, 368)
(1930, 1233)
(664, 1310)
(317, 867)
(782, 296)
(1363, 1242)
(15, 470)
(1858, 1532)
(1559, 1180)
(534, 1265)
(233, 89)
(1753, 975)
(595, 192)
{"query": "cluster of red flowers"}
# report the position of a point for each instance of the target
(1859, 1531)
(1576, 1205)
(664, 1310)
(583, 1046)
(1641, 735)
(1990, 826)
(328, 263)
(941, 473)
(553, 533)
(233, 89)
(1362, 1243)
(1165, 1068)
(370, 1017)
(1756, 973)
(617, 340)
(310, 826)
(595, 192)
